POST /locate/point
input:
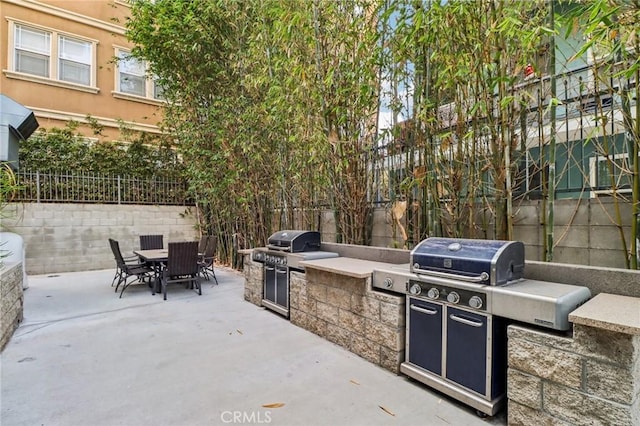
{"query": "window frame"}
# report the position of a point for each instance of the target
(149, 83)
(53, 76)
(593, 175)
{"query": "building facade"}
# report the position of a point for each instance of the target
(58, 58)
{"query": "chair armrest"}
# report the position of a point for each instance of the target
(130, 259)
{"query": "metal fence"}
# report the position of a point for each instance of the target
(86, 187)
(592, 154)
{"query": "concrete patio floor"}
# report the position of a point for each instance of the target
(84, 357)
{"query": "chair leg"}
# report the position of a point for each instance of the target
(124, 287)
(213, 273)
(205, 273)
(164, 289)
(136, 278)
(116, 276)
(121, 278)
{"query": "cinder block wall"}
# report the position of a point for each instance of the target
(584, 232)
(74, 237)
(12, 299)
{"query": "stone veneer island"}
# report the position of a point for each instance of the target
(587, 376)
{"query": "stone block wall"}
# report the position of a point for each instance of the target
(253, 274)
(12, 301)
(74, 237)
(345, 311)
(587, 379)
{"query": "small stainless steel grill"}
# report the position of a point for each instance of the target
(460, 296)
(283, 253)
(294, 241)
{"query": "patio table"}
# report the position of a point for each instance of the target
(158, 258)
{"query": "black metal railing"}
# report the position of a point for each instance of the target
(88, 187)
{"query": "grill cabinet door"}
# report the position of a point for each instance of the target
(467, 349)
(269, 292)
(282, 287)
(425, 335)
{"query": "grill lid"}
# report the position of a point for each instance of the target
(294, 241)
(486, 262)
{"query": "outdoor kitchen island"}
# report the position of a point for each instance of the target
(588, 374)
(334, 299)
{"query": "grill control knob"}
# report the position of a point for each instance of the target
(415, 289)
(453, 297)
(433, 293)
(475, 302)
(388, 282)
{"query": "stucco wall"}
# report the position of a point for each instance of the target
(74, 237)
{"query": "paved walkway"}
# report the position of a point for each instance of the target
(84, 357)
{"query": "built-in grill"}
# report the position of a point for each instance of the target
(283, 253)
(477, 261)
(461, 295)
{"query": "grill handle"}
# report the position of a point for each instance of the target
(423, 310)
(474, 279)
(279, 248)
(465, 321)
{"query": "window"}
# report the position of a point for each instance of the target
(32, 50)
(158, 91)
(132, 78)
(608, 173)
(52, 57)
(74, 61)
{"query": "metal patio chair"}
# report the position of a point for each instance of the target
(182, 266)
(202, 244)
(151, 242)
(127, 259)
(208, 258)
(125, 271)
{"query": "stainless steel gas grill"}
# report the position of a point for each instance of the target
(461, 295)
(283, 253)
(454, 343)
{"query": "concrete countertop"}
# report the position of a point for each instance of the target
(356, 268)
(610, 312)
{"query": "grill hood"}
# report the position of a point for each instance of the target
(486, 262)
(293, 241)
